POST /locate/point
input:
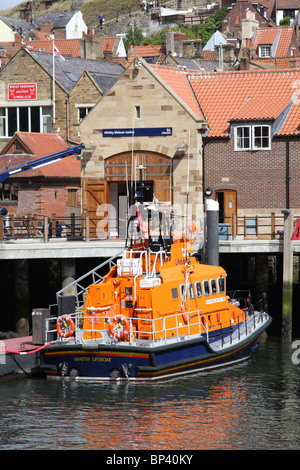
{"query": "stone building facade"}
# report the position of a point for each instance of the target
(167, 142)
(37, 97)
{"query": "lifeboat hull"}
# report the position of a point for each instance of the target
(129, 362)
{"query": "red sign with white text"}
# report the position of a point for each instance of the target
(22, 91)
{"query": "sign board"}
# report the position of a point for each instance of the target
(22, 91)
(137, 132)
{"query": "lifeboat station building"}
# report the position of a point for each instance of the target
(143, 128)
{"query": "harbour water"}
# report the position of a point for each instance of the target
(251, 406)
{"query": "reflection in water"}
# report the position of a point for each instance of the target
(251, 406)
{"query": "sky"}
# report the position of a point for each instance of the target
(5, 4)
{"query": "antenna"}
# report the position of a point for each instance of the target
(187, 195)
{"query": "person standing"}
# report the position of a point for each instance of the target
(101, 19)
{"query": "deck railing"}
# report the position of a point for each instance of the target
(264, 227)
(160, 329)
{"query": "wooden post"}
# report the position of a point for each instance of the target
(53, 230)
(35, 225)
(87, 228)
(272, 225)
(46, 235)
(287, 284)
(1, 227)
(234, 230)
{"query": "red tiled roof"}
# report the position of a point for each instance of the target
(107, 43)
(65, 46)
(41, 35)
(39, 145)
(251, 95)
(146, 51)
(267, 36)
(177, 80)
(209, 55)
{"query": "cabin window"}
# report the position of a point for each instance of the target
(182, 291)
(221, 284)
(213, 286)
(206, 287)
(191, 291)
(198, 289)
(174, 293)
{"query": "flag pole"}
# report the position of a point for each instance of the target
(53, 84)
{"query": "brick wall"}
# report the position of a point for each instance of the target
(259, 177)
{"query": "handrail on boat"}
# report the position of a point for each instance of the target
(159, 328)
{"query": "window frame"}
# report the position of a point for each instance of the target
(252, 137)
(265, 48)
(241, 138)
(256, 126)
(7, 112)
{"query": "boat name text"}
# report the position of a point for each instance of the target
(94, 359)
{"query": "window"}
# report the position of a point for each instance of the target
(242, 138)
(264, 51)
(26, 119)
(191, 291)
(83, 111)
(221, 284)
(261, 137)
(252, 137)
(71, 76)
(137, 112)
(206, 287)
(8, 192)
(198, 289)
(182, 291)
(213, 286)
(174, 293)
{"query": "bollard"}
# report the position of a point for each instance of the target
(287, 284)
(212, 218)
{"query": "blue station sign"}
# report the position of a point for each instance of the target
(137, 132)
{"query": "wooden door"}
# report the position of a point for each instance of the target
(96, 195)
(227, 200)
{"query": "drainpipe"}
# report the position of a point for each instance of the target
(287, 189)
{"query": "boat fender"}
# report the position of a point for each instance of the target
(185, 317)
(65, 326)
(119, 327)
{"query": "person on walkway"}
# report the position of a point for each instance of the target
(101, 19)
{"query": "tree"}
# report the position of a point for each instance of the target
(286, 21)
(134, 36)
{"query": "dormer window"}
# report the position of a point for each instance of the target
(253, 137)
(264, 51)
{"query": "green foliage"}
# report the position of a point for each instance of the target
(134, 36)
(204, 32)
(286, 21)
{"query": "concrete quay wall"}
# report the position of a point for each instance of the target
(31, 249)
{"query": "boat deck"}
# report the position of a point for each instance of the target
(18, 345)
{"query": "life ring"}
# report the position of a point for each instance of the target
(119, 327)
(65, 326)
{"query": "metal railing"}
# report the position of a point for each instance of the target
(160, 329)
(250, 227)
